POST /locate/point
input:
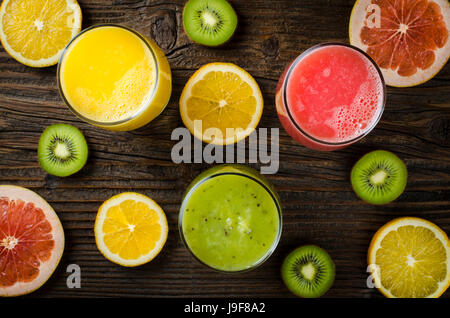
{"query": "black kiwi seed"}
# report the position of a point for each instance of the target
(308, 271)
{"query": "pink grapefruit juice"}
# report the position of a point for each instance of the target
(330, 97)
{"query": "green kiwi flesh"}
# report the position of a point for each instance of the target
(308, 271)
(62, 150)
(209, 22)
(379, 177)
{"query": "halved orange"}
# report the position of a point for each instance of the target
(221, 104)
(408, 39)
(410, 258)
(35, 32)
(130, 229)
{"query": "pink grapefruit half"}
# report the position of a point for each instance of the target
(409, 41)
(31, 241)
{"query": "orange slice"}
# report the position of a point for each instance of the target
(410, 40)
(35, 32)
(410, 258)
(221, 104)
(130, 229)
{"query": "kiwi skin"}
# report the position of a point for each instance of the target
(397, 193)
(331, 272)
(213, 46)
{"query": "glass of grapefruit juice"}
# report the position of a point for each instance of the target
(114, 78)
(230, 218)
(330, 97)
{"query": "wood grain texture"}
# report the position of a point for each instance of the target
(319, 205)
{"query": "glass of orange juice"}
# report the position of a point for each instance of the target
(115, 78)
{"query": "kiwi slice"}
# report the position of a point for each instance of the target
(62, 150)
(379, 177)
(209, 22)
(308, 271)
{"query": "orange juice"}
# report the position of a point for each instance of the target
(114, 78)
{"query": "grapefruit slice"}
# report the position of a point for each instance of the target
(31, 241)
(410, 40)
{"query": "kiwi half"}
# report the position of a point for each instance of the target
(379, 177)
(209, 22)
(62, 150)
(308, 271)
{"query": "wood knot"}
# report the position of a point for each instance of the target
(440, 130)
(271, 47)
(163, 28)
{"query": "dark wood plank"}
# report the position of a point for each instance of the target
(319, 205)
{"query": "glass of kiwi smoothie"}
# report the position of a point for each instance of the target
(230, 218)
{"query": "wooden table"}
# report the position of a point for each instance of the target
(319, 204)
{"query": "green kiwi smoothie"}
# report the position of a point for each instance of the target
(230, 218)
